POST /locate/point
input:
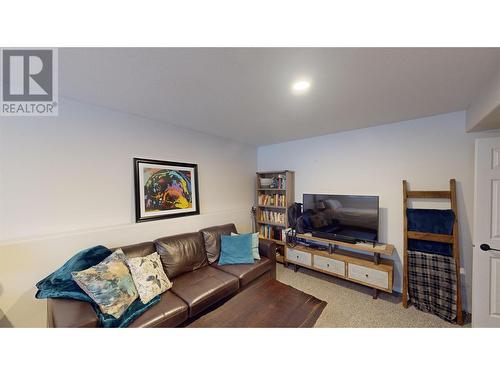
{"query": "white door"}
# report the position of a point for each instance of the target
(486, 263)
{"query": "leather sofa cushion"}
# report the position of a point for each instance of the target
(171, 311)
(204, 287)
(246, 273)
(138, 250)
(181, 253)
(211, 237)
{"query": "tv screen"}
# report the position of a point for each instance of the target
(353, 216)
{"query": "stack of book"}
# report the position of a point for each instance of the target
(272, 216)
(272, 233)
(277, 200)
(279, 182)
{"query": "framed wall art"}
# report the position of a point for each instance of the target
(165, 189)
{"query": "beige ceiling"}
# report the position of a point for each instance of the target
(244, 93)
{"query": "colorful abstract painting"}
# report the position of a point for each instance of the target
(165, 189)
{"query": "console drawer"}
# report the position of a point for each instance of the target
(297, 256)
(367, 275)
(330, 265)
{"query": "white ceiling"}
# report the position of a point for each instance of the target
(244, 93)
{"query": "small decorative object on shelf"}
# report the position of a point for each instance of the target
(274, 193)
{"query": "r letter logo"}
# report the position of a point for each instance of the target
(29, 82)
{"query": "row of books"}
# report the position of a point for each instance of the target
(272, 216)
(280, 181)
(272, 233)
(278, 200)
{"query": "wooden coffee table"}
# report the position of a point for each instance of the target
(268, 305)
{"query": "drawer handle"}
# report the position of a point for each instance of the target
(366, 275)
(297, 257)
(328, 264)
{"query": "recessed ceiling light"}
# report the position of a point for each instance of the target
(301, 87)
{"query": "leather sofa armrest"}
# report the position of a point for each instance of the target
(68, 313)
(268, 249)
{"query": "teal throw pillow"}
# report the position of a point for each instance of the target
(255, 244)
(236, 249)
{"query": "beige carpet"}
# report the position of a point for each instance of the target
(352, 305)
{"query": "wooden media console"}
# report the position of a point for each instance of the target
(348, 263)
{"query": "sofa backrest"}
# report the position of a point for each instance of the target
(138, 250)
(211, 238)
(181, 253)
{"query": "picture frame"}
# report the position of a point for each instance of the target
(165, 189)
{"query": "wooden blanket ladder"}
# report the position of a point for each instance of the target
(449, 239)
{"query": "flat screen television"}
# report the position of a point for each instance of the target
(351, 216)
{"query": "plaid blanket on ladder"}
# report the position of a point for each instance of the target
(432, 285)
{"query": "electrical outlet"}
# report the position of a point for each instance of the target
(462, 271)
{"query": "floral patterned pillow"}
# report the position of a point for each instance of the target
(109, 284)
(149, 277)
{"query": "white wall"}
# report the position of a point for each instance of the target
(426, 152)
(484, 111)
(66, 183)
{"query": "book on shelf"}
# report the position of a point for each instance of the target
(272, 216)
(271, 233)
(281, 181)
(278, 200)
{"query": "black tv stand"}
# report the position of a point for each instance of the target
(335, 237)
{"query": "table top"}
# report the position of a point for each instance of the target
(268, 305)
(385, 249)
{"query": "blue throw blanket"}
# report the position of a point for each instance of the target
(60, 284)
(430, 221)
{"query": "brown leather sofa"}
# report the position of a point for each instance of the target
(199, 283)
